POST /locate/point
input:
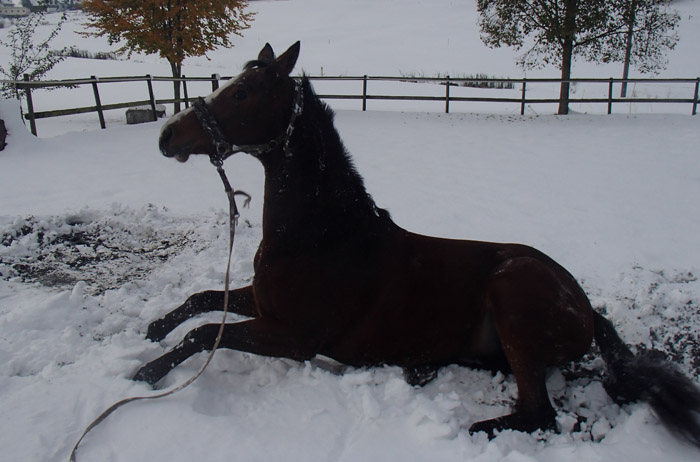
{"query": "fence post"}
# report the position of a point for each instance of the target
(215, 82)
(695, 98)
(30, 107)
(98, 103)
(610, 95)
(151, 96)
(447, 95)
(184, 89)
(364, 93)
(522, 98)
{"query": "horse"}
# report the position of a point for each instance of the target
(335, 276)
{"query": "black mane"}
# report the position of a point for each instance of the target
(333, 190)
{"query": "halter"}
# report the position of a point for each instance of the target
(224, 148)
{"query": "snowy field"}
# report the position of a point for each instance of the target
(100, 234)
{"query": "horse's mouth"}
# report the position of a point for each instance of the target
(182, 157)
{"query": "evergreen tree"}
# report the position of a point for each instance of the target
(173, 29)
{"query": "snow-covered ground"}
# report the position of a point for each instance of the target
(99, 235)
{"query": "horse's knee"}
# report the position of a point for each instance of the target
(202, 338)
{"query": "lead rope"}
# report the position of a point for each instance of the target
(233, 220)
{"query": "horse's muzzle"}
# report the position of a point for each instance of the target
(164, 141)
(165, 146)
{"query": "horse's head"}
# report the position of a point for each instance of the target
(252, 111)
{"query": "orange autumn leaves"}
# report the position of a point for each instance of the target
(173, 29)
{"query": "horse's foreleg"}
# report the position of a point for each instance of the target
(257, 336)
(241, 301)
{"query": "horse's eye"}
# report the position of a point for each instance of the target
(240, 95)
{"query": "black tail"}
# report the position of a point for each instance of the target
(674, 398)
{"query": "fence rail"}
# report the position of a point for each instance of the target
(521, 86)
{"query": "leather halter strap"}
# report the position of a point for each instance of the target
(224, 148)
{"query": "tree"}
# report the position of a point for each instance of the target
(557, 31)
(28, 55)
(173, 29)
(648, 33)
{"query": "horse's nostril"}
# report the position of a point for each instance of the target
(165, 136)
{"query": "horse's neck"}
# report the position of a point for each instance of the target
(311, 213)
(316, 197)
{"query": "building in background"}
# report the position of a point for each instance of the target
(10, 10)
(51, 5)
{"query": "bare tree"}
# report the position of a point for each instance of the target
(28, 55)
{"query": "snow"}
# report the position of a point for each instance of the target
(99, 235)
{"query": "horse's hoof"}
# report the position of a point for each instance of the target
(528, 422)
(419, 375)
(145, 374)
(490, 427)
(157, 331)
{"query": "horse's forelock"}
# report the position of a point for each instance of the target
(256, 63)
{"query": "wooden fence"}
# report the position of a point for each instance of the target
(521, 86)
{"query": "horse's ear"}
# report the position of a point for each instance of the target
(288, 59)
(266, 55)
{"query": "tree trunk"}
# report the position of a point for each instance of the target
(631, 19)
(3, 135)
(567, 54)
(177, 73)
(177, 30)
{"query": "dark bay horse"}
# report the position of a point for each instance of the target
(334, 276)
